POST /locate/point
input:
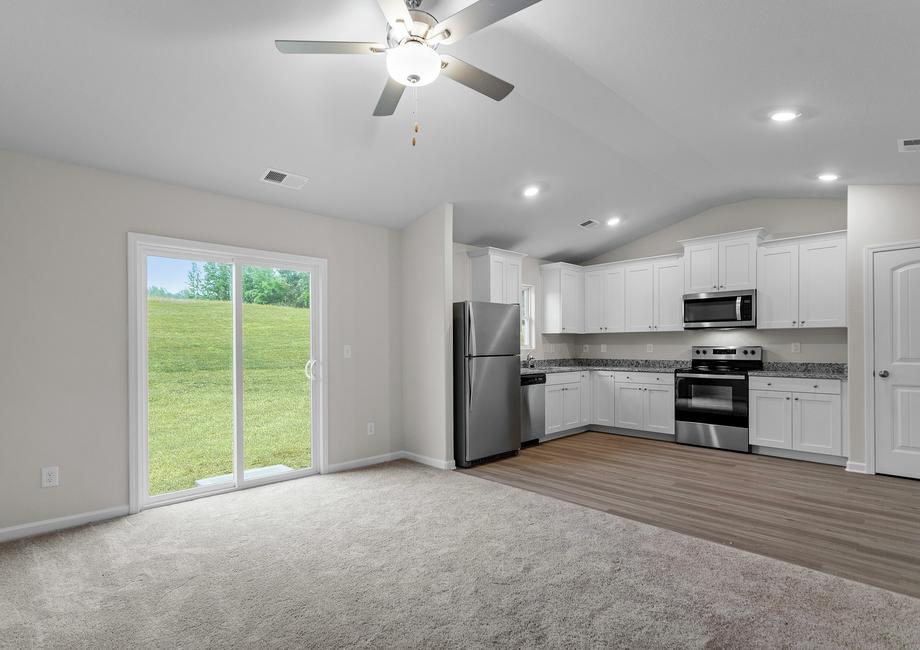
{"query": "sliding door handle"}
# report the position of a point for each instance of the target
(309, 370)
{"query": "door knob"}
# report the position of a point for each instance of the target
(883, 374)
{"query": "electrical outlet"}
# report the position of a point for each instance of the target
(370, 429)
(796, 348)
(603, 347)
(649, 348)
(586, 348)
(348, 352)
(50, 476)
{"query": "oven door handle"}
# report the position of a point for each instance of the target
(682, 375)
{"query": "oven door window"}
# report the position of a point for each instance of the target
(711, 310)
(712, 401)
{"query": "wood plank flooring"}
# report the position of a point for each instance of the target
(865, 528)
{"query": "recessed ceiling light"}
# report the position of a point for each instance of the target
(531, 191)
(828, 178)
(613, 221)
(785, 115)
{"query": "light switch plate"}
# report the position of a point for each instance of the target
(796, 348)
(585, 348)
(603, 347)
(348, 352)
(371, 429)
(649, 348)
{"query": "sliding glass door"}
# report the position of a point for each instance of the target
(227, 390)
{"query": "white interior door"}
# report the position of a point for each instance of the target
(897, 362)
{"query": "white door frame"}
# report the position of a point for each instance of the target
(141, 245)
(869, 341)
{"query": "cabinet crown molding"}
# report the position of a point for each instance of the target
(491, 250)
(561, 265)
(759, 233)
(833, 234)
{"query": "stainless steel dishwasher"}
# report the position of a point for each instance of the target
(533, 406)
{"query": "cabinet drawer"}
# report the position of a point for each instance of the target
(796, 385)
(555, 378)
(663, 378)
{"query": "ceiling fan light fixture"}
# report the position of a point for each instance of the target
(413, 64)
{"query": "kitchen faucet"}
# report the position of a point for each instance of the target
(530, 362)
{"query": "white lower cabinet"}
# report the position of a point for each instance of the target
(630, 406)
(554, 416)
(636, 400)
(770, 419)
(800, 419)
(563, 407)
(816, 423)
(644, 407)
(659, 409)
(604, 399)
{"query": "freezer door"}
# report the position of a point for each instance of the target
(493, 423)
(493, 329)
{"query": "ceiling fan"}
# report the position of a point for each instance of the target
(413, 37)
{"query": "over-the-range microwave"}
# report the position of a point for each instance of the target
(720, 309)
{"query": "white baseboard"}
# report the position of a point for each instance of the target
(431, 462)
(386, 458)
(60, 523)
(858, 468)
(364, 462)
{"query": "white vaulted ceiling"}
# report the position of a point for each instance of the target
(650, 109)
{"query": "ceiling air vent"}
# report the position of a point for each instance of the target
(284, 179)
(589, 224)
(909, 144)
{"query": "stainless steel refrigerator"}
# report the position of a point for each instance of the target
(487, 381)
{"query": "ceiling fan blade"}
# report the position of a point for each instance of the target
(389, 98)
(329, 47)
(477, 16)
(472, 77)
(396, 12)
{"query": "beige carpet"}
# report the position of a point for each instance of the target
(405, 556)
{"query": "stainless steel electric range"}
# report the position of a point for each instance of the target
(711, 397)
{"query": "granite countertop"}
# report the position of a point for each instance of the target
(609, 365)
(802, 370)
(771, 369)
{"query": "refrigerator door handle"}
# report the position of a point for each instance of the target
(470, 381)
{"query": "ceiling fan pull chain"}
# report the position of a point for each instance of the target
(414, 118)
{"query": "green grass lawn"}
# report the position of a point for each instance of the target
(190, 389)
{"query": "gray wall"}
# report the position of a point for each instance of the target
(64, 343)
(876, 215)
(781, 217)
(427, 343)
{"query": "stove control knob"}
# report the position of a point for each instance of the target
(744, 352)
(697, 351)
(704, 352)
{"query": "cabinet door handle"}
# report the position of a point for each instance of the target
(796, 399)
(770, 383)
(714, 287)
(787, 399)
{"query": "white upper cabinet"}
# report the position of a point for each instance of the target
(640, 303)
(722, 262)
(702, 262)
(496, 275)
(654, 295)
(802, 283)
(822, 283)
(605, 299)
(668, 295)
(563, 299)
(778, 287)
